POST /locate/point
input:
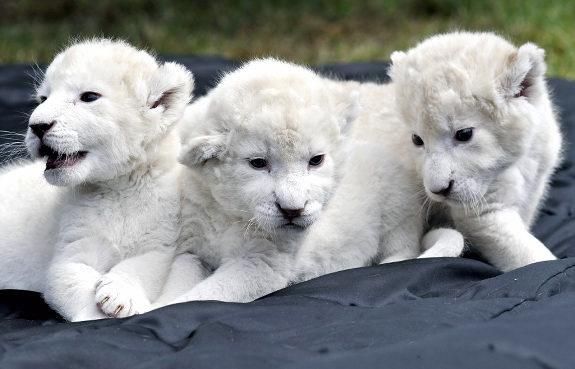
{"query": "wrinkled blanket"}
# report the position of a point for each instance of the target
(436, 313)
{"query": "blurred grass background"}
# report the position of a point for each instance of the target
(311, 32)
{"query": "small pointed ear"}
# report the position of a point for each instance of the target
(396, 58)
(171, 90)
(199, 150)
(351, 112)
(524, 70)
(347, 106)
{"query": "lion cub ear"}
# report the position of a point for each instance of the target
(199, 150)
(397, 57)
(524, 72)
(347, 106)
(170, 90)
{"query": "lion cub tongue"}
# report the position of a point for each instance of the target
(63, 160)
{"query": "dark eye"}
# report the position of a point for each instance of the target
(89, 96)
(42, 99)
(464, 135)
(258, 163)
(316, 161)
(417, 141)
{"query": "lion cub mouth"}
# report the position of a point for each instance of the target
(58, 160)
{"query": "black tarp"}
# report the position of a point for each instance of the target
(436, 313)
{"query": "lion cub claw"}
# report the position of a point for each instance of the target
(119, 297)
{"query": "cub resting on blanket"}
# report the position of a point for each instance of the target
(485, 136)
(377, 214)
(266, 151)
(104, 124)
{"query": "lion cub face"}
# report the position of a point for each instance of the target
(470, 101)
(102, 106)
(270, 144)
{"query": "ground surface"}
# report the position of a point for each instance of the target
(314, 32)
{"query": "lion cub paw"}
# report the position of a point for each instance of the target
(119, 297)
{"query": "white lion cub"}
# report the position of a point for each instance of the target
(264, 151)
(104, 125)
(486, 137)
(377, 214)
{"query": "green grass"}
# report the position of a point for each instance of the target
(303, 31)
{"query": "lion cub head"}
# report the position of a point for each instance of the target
(269, 143)
(471, 101)
(104, 107)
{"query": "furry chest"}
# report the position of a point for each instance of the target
(133, 224)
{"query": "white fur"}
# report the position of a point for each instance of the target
(28, 225)
(267, 109)
(377, 213)
(455, 81)
(120, 213)
(442, 242)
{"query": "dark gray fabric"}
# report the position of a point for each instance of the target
(437, 313)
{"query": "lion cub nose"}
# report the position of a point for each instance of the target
(40, 129)
(446, 190)
(289, 214)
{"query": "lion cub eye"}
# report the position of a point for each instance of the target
(417, 141)
(89, 96)
(258, 163)
(464, 135)
(316, 161)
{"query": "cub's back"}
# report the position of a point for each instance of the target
(29, 215)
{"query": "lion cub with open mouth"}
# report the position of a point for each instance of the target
(264, 151)
(104, 126)
(485, 136)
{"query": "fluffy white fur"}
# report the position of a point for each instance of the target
(500, 174)
(232, 218)
(105, 124)
(377, 213)
(28, 225)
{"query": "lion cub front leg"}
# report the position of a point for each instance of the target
(186, 272)
(503, 239)
(73, 275)
(130, 286)
(403, 241)
(442, 243)
(243, 278)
